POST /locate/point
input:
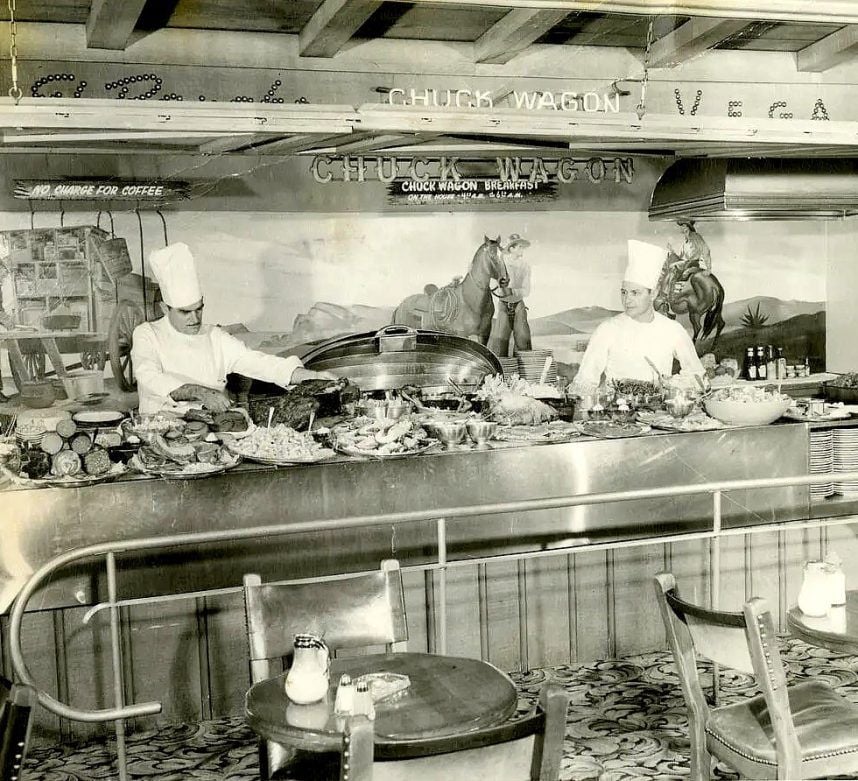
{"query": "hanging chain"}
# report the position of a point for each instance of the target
(641, 107)
(14, 91)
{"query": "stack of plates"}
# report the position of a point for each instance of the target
(846, 459)
(532, 362)
(821, 462)
(509, 366)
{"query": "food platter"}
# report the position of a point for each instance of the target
(833, 414)
(101, 418)
(609, 430)
(693, 422)
(544, 432)
(321, 455)
(377, 455)
(75, 481)
(192, 471)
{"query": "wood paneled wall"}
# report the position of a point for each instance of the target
(517, 613)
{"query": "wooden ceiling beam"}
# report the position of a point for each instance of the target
(111, 23)
(825, 11)
(331, 26)
(513, 33)
(840, 46)
(692, 39)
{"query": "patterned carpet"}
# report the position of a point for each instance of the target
(626, 720)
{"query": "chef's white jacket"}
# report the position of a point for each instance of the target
(164, 359)
(620, 346)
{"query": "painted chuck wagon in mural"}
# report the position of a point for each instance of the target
(74, 285)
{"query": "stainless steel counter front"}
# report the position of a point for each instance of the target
(40, 524)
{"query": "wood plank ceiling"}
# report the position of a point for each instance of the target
(820, 35)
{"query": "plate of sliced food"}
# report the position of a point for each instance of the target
(182, 460)
(695, 421)
(608, 429)
(382, 437)
(557, 431)
(279, 445)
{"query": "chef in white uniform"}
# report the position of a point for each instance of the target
(620, 346)
(178, 360)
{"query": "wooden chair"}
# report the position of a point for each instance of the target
(529, 748)
(806, 730)
(16, 710)
(364, 610)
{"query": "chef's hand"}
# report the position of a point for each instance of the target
(212, 400)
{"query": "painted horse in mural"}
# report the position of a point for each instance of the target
(464, 307)
(700, 296)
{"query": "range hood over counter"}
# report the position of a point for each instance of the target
(757, 189)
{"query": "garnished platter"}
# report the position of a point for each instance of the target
(360, 453)
(381, 438)
(72, 481)
(555, 432)
(191, 471)
(609, 430)
(838, 413)
(666, 422)
(279, 445)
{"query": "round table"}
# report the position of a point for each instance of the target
(837, 631)
(448, 695)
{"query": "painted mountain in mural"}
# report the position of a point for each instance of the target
(776, 310)
(582, 320)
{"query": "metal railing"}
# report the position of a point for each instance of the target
(440, 516)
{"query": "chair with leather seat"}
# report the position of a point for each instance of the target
(367, 609)
(803, 730)
(16, 710)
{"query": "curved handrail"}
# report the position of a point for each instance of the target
(412, 516)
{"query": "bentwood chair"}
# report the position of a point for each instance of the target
(805, 730)
(16, 710)
(525, 749)
(359, 611)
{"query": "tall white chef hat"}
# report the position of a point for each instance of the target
(645, 263)
(175, 270)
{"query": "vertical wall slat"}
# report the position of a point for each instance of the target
(548, 611)
(503, 614)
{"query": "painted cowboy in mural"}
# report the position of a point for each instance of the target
(688, 286)
(511, 292)
(693, 256)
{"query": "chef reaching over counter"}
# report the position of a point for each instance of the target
(177, 359)
(639, 340)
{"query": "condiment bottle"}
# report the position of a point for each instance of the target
(836, 579)
(363, 701)
(750, 368)
(762, 373)
(345, 699)
(782, 364)
(814, 596)
(771, 363)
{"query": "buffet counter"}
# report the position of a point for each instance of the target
(39, 524)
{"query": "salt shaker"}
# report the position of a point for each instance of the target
(345, 699)
(363, 701)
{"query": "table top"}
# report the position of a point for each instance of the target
(837, 631)
(448, 695)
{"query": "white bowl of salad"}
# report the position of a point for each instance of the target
(747, 406)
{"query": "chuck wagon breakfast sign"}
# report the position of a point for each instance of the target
(416, 180)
